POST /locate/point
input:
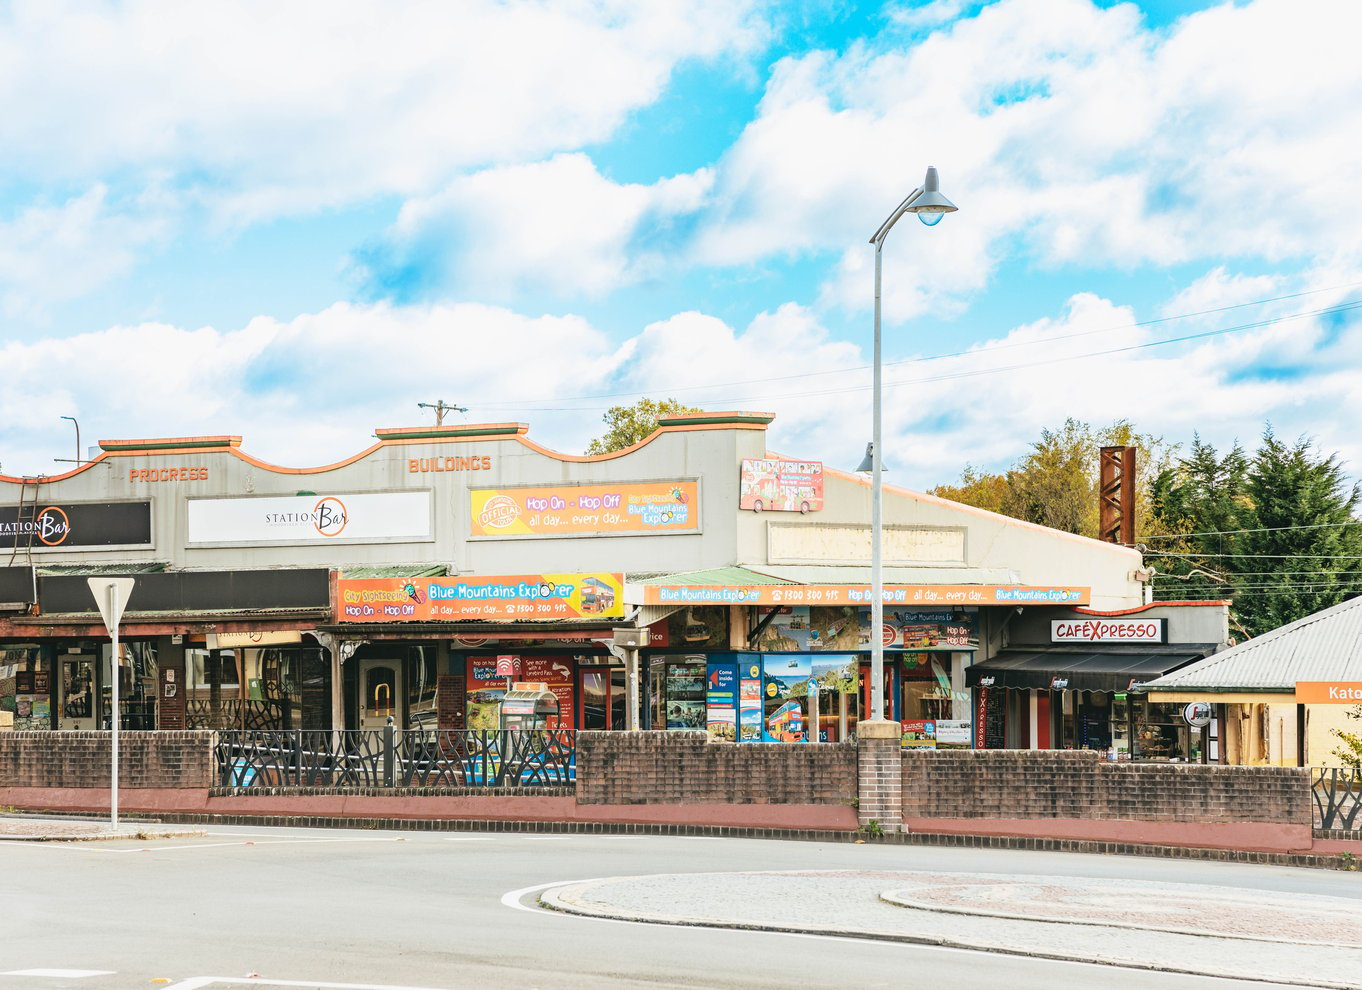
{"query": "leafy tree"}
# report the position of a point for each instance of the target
(627, 425)
(1300, 554)
(985, 491)
(1057, 483)
(1351, 750)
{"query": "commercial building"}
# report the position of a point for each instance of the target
(409, 581)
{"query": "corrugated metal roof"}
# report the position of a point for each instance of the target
(99, 570)
(715, 575)
(1326, 646)
(397, 571)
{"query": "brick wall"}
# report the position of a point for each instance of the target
(81, 759)
(634, 768)
(450, 699)
(1018, 784)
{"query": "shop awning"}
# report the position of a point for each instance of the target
(1080, 670)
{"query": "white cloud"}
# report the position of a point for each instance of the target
(273, 108)
(51, 252)
(1066, 133)
(557, 225)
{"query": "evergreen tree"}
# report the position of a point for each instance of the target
(1200, 505)
(1300, 554)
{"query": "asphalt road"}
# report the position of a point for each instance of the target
(312, 908)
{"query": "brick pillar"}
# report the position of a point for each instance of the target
(879, 773)
(450, 695)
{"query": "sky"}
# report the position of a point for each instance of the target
(295, 223)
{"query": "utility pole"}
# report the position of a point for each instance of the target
(440, 408)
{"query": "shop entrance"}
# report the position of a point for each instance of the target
(380, 693)
(603, 697)
(78, 689)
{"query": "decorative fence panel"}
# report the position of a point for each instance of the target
(389, 757)
(1338, 797)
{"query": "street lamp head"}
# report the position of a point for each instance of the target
(930, 206)
(868, 462)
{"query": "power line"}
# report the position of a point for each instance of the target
(1253, 556)
(1258, 324)
(1235, 532)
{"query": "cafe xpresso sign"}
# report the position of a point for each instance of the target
(76, 524)
(1098, 630)
(352, 517)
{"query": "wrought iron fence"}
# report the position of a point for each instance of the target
(234, 713)
(391, 757)
(1338, 797)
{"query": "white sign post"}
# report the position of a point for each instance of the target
(111, 594)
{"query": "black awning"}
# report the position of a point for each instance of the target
(1084, 670)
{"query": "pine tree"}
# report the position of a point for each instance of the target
(1301, 552)
(1201, 504)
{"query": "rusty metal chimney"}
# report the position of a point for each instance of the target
(1116, 495)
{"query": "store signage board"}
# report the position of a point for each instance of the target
(453, 599)
(69, 525)
(1329, 692)
(259, 637)
(343, 517)
(1093, 629)
(781, 486)
(626, 509)
(847, 594)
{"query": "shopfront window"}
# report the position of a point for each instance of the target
(25, 689)
(1161, 734)
(245, 688)
(603, 698)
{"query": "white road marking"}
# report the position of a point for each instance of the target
(60, 974)
(469, 838)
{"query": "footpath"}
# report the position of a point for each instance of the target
(1198, 929)
(41, 828)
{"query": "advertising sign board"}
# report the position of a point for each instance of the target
(1095, 629)
(628, 508)
(1329, 692)
(76, 524)
(449, 599)
(855, 594)
(781, 486)
(389, 517)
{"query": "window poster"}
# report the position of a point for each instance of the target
(685, 686)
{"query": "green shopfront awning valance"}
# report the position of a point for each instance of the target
(1085, 670)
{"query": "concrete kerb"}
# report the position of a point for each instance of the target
(968, 841)
(565, 899)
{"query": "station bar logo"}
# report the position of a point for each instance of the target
(310, 518)
(69, 525)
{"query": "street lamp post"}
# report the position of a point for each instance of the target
(930, 206)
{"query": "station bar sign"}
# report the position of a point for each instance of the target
(858, 594)
(454, 599)
(253, 520)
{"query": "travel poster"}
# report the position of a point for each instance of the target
(749, 723)
(918, 734)
(722, 723)
(803, 628)
(485, 691)
(786, 723)
(786, 675)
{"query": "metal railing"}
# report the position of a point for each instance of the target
(389, 757)
(1338, 797)
(234, 713)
